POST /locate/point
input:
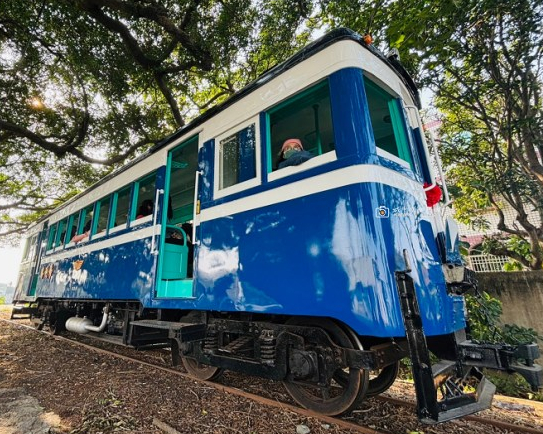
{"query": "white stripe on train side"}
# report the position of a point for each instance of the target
(86, 247)
(361, 173)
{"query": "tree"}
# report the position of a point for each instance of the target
(483, 61)
(493, 135)
(86, 84)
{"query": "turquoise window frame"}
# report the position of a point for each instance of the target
(184, 217)
(399, 127)
(52, 236)
(136, 194)
(400, 131)
(58, 241)
(115, 202)
(83, 216)
(113, 212)
(96, 216)
(70, 224)
(294, 101)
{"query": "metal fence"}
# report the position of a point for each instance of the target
(487, 262)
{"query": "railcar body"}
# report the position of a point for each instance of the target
(312, 274)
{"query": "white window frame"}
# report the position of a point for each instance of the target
(392, 157)
(319, 160)
(218, 193)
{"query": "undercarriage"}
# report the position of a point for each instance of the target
(324, 365)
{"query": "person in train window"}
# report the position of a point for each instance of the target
(83, 236)
(145, 209)
(293, 153)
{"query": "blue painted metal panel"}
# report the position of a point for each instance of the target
(350, 115)
(119, 272)
(339, 261)
(326, 254)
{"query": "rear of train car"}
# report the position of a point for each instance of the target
(313, 274)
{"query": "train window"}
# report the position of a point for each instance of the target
(33, 247)
(144, 197)
(388, 122)
(26, 249)
(119, 211)
(307, 117)
(183, 166)
(29, 249)
(61, 233)
(73, 224)
(85, 223)
(52, 235)
(236, 159)
(102, 210)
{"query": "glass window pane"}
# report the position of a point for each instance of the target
(26, 249)
(145, 196)
(52, 236)
(30, 249)
(237, 157)
(121, 210)
(73, 224)
(61, 232)
(103, 215)
(387, 121)
(184, 164)
(86, 220)
(306, 117)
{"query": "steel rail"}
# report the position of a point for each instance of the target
(231, 390)
(492, 422)
(282, 405)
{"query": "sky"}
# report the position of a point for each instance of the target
(10, 259)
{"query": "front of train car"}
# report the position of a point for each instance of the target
(354, 234)
(400, 255)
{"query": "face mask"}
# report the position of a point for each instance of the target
(290, 152)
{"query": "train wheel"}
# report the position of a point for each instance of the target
(348, 386)
(199, 370)
(57, 322)
(383, 379)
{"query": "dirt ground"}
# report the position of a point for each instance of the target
(91, 393)
(21, 413)
(49, 386)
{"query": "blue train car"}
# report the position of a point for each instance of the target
(318, 273)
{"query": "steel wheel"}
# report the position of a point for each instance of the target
(193, 367)
(348, 387)
(57, 322)
(383, 379)
(199, 370)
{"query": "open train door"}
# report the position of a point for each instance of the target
(175, 269)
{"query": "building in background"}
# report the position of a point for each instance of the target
(476, 259)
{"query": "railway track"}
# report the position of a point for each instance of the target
(340, 422)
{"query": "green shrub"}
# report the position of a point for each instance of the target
(484, 314)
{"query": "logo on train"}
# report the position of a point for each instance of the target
(47, 271)
(382, 212)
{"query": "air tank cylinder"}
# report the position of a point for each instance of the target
(78, 325)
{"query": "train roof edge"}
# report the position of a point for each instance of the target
(309, 50)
